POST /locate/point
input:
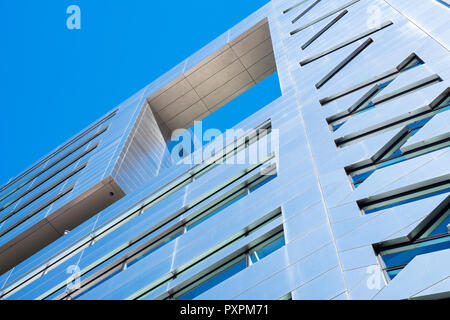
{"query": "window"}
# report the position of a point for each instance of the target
(234, 266)
(412, 193)
(294, 6)
(322, 31)
(121, 218)
(412, 119)
(172, 236)
(204, 215)
(305, 11)
(49, 176)
(435, 236)
(29, 215)
(194, 219)
(216, 209)
(329, 14)
(221, 274)
(343, 63)
(360, 171)
(410, 62)
(261, 181)
(252, 185)
(345, 43)
(287, 296)
(222, 270)
(369, 100)
(29, 201)
(81, 135)
(444, 2)
(264, 249)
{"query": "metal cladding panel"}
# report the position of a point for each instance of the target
(361, 167)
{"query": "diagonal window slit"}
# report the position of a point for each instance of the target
(410, 62)
(444, 2)
(294, 6)
(322, 31)
(369, 100)
(343, 63)
(306, 11)
(390, 199)
(329, 14)
(413, 119)
(393, 154)
(345, 43)
(431, 235)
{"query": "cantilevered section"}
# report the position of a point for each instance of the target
(215, 81)
(125, 149)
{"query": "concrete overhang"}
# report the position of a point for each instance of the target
(198, 92)
(215, 81)
(67, 217)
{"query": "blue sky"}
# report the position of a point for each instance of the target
(55, 81)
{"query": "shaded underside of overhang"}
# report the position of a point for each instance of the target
(215, 81)
(66, 218)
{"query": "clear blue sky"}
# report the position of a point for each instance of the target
(55, 81)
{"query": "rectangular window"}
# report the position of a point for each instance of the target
(413, 193)
(360, 171)
(411, 119)
(259, 251)
(52, 186)
(370, 100)
(65, 146)
(251, 186)
(214, 278)
(49, 176)
(216, 209)
(53, 163)
(205, 215)
(233, 259)
(160, 194)
(197, 217)
(410, 62)
(435, 236)
(396, 260)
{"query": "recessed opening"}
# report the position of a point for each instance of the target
(217, 81)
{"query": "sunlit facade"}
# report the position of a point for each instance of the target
(338, 189)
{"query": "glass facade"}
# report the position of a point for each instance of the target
(345, 172)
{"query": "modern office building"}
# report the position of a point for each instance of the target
(338, 189)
